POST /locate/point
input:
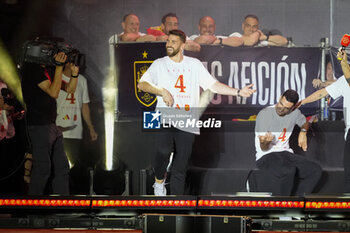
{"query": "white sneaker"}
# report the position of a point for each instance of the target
(159, 189)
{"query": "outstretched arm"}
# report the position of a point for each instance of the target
(223, 89)
(315, 96)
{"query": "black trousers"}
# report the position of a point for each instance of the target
(179, 142)
(346, 162)
(50, 164)
(284, 169)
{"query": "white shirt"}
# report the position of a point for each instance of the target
(193, 37)
(69, 109)
(115, 38)
(281, 128)
(259, 44)
(183, 80)
(341, 88)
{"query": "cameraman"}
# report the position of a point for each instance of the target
(7, 129)
(41, 85)
(8, 146)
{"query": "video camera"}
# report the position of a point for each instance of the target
(10, 100)
(42, 51)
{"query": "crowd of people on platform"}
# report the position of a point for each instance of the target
(251, 35)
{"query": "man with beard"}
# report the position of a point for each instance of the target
(176, 80)
(274, 126)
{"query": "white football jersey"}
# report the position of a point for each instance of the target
(281, 128)
(183, 80)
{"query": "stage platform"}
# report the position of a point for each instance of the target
(240, 213)
(228, 156)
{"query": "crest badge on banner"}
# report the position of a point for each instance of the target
(145, 98)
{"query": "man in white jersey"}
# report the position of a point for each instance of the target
(176, 80)
(274, 126)
(339, 88)
(70, 109)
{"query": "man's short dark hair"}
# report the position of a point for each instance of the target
(178, 33)
(127, 15)
(291, 96)
(251, 16)
(170, 14)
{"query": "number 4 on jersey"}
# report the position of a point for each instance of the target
(282, 137)
(72, 98)
(180, 83)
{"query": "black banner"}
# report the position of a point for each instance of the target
(271, 70)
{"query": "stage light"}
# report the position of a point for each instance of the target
(326, 203)
(8, 73)
(178, 203)
(109, 177)
(44, 202)
(109, 182)
(214, 202)
(80, 179)
(147, 202)
(109, 101)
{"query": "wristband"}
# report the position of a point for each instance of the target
(220, 40)
(303, 130)
(76, 76)
(57, 63)
(238, 92)
(267, 37)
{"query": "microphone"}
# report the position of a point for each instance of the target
(345, 41)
